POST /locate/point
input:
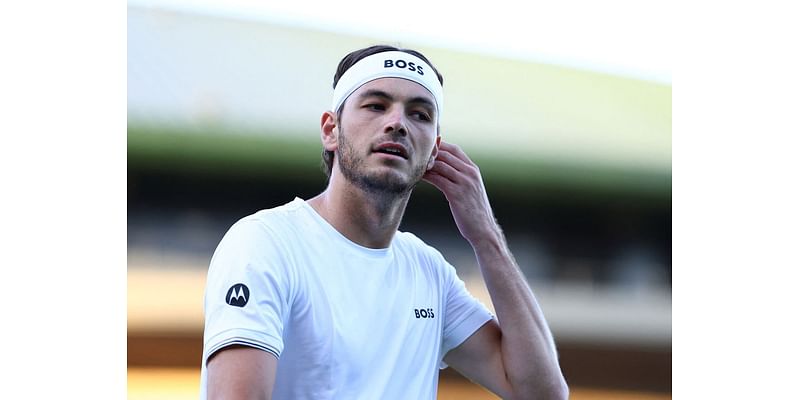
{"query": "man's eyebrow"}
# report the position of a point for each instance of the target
(387, 96)
(422, 100)
(414, 100)
(376, 93)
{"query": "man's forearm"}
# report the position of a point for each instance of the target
(528, 349)
(528, 353)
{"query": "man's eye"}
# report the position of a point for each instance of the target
(375, 107)
(423, 116)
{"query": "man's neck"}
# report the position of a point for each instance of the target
(368, 219)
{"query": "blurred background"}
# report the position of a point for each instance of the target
(223, 120)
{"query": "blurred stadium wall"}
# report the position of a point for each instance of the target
(223, 120)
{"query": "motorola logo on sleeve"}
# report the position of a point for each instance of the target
(237, 295)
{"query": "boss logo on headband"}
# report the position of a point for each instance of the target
(403, 64)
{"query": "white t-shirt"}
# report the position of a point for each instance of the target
(344, 321)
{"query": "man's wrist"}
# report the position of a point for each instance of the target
(491, 240)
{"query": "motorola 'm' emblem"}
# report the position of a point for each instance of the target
(237, 295)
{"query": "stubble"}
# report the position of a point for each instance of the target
(353, 167)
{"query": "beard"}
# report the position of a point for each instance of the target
(353, 169)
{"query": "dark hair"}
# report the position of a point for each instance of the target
(345, 64)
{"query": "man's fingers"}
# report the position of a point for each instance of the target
(460, 180)
(452, 160)
(454, 156)
(456, 151)
(443, 184)
(446, 170)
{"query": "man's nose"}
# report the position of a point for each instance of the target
(396, 122)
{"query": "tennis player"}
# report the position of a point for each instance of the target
(325, 299)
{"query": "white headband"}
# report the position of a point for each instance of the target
(388, 64)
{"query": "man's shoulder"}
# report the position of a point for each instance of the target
(410, 239)
(270, 221)
(275, 214)
(422, 254)
(411, 242)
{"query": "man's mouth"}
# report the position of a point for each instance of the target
(393, 149)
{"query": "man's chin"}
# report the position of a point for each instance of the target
(390, 182)
(387, 184)
(383, 181)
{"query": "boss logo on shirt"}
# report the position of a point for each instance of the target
(423, 312)
(237, 295)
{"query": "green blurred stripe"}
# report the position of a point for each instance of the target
(224, 152)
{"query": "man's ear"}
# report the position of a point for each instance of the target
(434, 152)
(329, 131)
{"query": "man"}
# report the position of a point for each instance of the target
(325, 299)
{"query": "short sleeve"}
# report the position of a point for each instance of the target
(248, 291)
(464, 314)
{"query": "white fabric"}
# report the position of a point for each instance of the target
(345, 321)
(388, 64)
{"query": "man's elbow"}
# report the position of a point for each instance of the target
(556, 390)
